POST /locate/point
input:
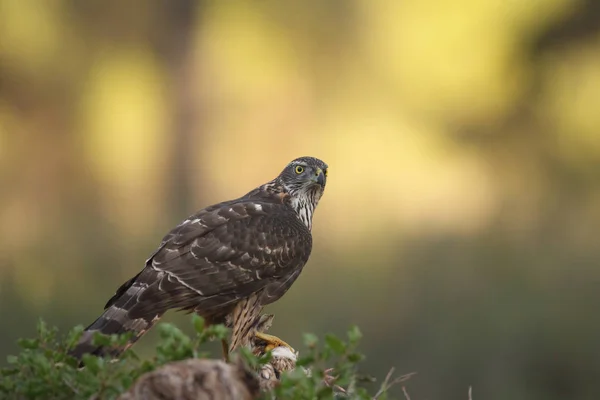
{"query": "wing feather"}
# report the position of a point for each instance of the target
(223, 254)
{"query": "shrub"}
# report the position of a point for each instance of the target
(44, 370)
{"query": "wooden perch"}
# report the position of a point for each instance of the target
(196, 379)
(200, 379)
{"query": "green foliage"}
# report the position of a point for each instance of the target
(335, 354)
(44, 370)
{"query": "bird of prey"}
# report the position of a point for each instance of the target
(224, 263)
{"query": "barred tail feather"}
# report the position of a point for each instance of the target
(113, 321)
(118, 317)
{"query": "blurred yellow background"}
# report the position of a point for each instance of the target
(460, 224)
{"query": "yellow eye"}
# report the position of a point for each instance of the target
(299, 169)
(325, 173)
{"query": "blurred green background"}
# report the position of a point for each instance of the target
(460, 224)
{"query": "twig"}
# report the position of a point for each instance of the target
(70, 385)
(387, 384)
(405, 393)
(470, 392)
(329, 380)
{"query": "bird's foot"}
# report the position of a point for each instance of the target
(267, 342)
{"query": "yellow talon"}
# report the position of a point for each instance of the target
(272, 342)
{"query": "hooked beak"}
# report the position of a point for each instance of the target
(319, 177)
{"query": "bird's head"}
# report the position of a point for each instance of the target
(304, 175)
(304, 180)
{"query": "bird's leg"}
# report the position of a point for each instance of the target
(225, 347)
(271, 341)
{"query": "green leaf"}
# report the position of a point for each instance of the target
(305, 361)
(100, 339)
(92, 363)
(42, 328)
(325, 393)
(219, 331)
(169, 330)
(12, 359)
(354, 335)
(335, 344)
(365, 378)
(73, 336)
(250, 359)
(355, 357)
(126, 381)
(29, 343)
(7, 386)
(146, 366)
(120, 340)
(8, 371)
(129, 354)
(198, 322)
(310, 340)
(42, 363)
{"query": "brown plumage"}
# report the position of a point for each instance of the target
(225, 262)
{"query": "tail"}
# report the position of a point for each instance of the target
(121, 315)
(113, 321)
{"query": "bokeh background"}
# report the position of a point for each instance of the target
(460, 224)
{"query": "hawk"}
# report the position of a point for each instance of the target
(225, 263)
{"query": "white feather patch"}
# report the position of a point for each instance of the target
(284, 352)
